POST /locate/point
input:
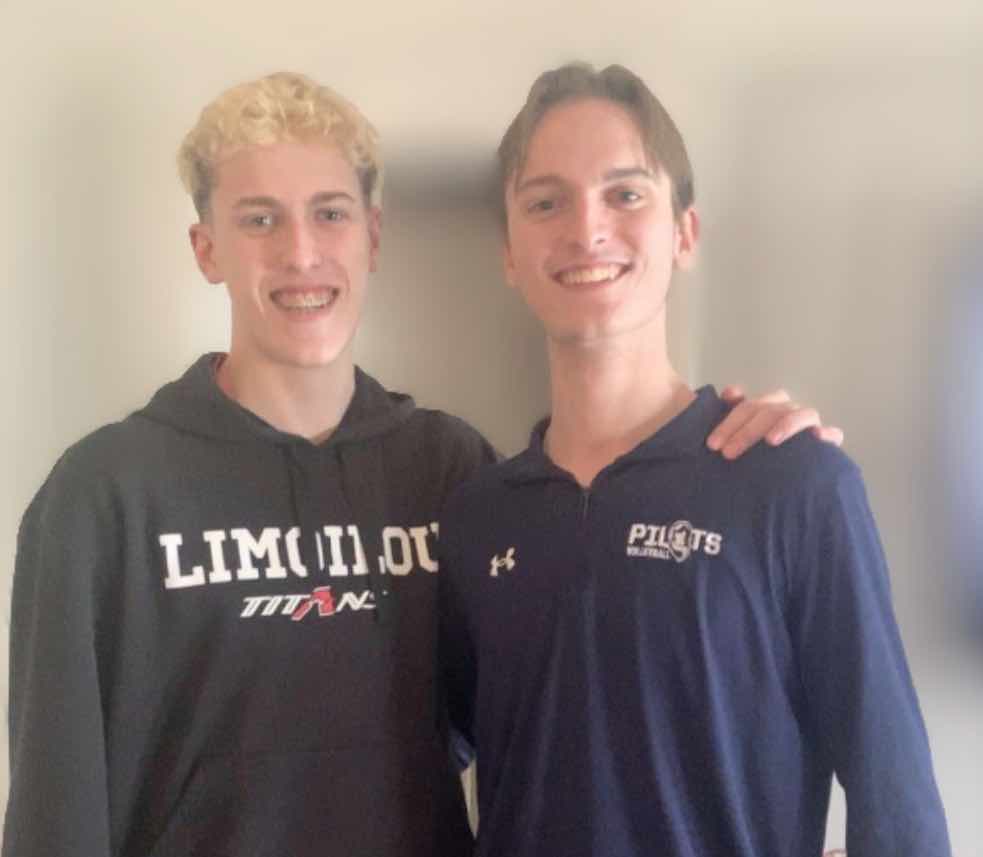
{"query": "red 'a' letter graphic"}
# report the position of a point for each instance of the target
(320, 598)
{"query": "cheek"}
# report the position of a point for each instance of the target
(530, 255)
(355, 244)
(234, 253)
(656, 241)
(523, 272)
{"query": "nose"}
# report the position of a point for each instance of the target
(300, 250)
(590, 224)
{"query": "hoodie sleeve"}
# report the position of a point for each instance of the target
(859, 692)
(466, 450)
(455, 651)
(58, 803)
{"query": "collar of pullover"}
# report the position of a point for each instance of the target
(685, 434)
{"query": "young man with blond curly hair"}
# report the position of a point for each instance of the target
(222, 637)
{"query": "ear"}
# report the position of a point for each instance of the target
(375, 233)
(687, 239)
(203, 246)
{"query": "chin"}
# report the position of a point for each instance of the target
(324, 361)
(581, 330)
(311, 358)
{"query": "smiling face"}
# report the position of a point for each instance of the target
(592, 241)
(291, 236)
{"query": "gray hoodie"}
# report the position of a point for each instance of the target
(222, 636)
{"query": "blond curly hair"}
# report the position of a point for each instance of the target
(280, 107)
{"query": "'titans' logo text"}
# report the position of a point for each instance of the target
(671, 541)
(321, 602)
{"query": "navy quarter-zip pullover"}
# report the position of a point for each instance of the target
(675, 661)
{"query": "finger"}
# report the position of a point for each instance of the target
(730, 424)
(829, 434)
(762, 420)
(796, 420)
(736, 435)
(774, 397)
(732, 394)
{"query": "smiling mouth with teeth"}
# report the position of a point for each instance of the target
(591, 275)
(301, 300)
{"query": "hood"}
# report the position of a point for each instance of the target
(194, 404)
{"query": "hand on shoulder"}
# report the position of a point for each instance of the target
(773, 417)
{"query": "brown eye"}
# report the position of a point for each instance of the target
(258, 221)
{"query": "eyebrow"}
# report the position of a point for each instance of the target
(330, 196)
(551, 179)
(255, 202)
(538, 181)
(628, 173)
(271, 202)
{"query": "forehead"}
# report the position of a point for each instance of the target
(284, 170)
(583, 140)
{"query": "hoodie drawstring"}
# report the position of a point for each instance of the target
(363, 484)
(304, 507)
(362, 487)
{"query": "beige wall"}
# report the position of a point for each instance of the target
(836, 146)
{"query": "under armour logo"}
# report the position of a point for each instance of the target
(507, 562)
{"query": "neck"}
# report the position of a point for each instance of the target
(308, 402)
(607, 399)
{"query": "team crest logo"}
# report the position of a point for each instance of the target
(680, 536)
